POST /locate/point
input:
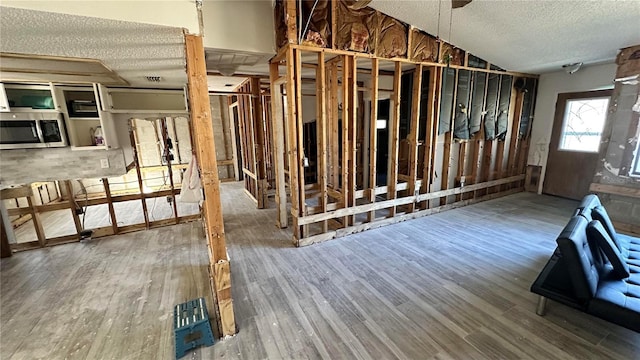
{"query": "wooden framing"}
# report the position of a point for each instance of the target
(203, 137)
(277, 141)
(338, 204)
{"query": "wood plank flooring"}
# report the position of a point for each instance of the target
(449, 286)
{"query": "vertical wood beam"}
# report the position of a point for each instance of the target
(205, 148)
(448, 140)
(234, 144)
(291, 16)
(435, 75)
(395, 135)
(413, 133)
(259, 139)
(352, 84)
(334, 127)
(292, 142)
(112, 212)
(300, 138)
(373, 136)
(514, 144)
(165, 137)
(277, 140)
(321, 131)
(35, 217)
(72, 207)
(136, 162)
(346, 119)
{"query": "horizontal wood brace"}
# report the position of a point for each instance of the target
(403, 201)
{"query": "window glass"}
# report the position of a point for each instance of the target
(583, 123)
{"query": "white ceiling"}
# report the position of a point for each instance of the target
(224, 83)
(133, 50)
(532, 36)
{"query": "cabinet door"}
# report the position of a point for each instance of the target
(106, 121)
(4, 103)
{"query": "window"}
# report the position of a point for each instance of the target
(583, 123)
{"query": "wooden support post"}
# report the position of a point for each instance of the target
(291, 16)
(321, 131)
(73, 207)
(413, 133)
(334, 127)
(292, 143)
(352, 84)
(277, 140)
(394, 138)
(300, 139)
(136, 162)
(448, 140)
(234, 141)
(112, 212)
(205, 150)
(514, 144)
(259, 141)
(373, 136)
(346, 119)
(432, 130)
(165, 137)
(35, 217)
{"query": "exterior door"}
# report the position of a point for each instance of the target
(575, 142)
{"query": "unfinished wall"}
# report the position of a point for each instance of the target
(617, 189)
(596, 77)
(222, 136)
(23, 166)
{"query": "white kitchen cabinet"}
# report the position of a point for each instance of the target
(85, 118)
(137, 101)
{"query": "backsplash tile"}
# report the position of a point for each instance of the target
(23, 166)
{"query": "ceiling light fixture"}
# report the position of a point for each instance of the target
(572, 68)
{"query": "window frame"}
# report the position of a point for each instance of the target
(582, 97)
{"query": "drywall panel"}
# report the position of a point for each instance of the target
(174, 13)
(588, 78)
(239, 25)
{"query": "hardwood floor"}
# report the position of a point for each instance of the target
(449, 286)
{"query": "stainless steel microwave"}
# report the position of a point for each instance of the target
(31, 130)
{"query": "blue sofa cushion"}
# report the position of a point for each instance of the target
(596, 231)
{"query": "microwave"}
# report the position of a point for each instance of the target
(31, 130)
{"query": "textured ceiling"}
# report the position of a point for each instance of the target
(224, 83)
(527, 35)
(132, 50)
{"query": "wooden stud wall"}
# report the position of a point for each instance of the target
(71, 202)
(443, 171)
(250, 108)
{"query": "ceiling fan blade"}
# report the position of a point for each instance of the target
(455, 4)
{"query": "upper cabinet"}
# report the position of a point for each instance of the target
(126, 100)
(89, 126)
(27, 98)
(88, 109)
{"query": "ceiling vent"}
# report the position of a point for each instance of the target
(153, 78)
